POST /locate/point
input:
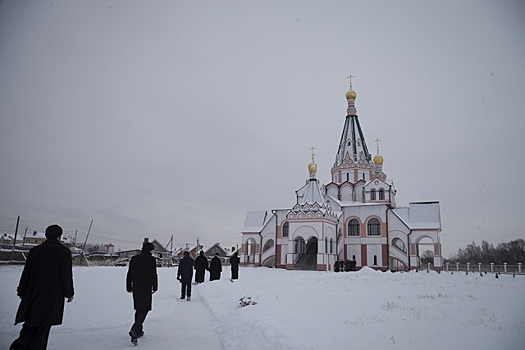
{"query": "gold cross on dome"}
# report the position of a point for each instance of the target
(313, 154)
(350, 77)
(377, 142)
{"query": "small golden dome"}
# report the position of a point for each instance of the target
(312, 167)
(378, 159)
(351, 95)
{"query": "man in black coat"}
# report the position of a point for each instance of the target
(185, 274)
(47, 280)
(201, 265)
(142, 281)
(215, 268)
(234, 263)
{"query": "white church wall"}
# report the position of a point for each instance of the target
(346, 193)
(371, 251)
(351, 250)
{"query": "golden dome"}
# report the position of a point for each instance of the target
(378, 159)
(312, 167)
(351, 95)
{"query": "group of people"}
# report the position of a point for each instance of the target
(345, 265)
(47, 283)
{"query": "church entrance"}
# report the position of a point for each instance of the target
(307, 254)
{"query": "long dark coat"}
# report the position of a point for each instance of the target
(46, 281)
(215, 269)
(185, 269)
(142, 280)
(201, 265)
(234, 262)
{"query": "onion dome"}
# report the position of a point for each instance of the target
(351, 95)
(378, 159)
(312, 167)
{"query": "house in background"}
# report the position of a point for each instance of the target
(9, 239)
(35, 239)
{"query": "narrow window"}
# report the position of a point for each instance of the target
(331, 246)
(375, 259)
(381, 194)
(372, 194)
(285, 229)
(347, 177)
(374, 227)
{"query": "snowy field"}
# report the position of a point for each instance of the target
(294, 310)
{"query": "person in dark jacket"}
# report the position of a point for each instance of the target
(185, 274)
(201, 265)
(234, 263)
(142, 281)
(215, 268)
(46, 281)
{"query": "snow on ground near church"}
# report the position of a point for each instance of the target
(293, 310)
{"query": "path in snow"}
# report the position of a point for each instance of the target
(102, 313)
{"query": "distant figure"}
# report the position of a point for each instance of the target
(46, 281)
(353, 264)
(185, 274)
(142, 281)
(336, 266)
(201, 265)
(215, 268)
(234, 262)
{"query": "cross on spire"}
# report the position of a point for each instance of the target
(350, 77)
(377, 142)
(313, 154)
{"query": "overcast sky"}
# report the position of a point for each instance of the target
(159, 118)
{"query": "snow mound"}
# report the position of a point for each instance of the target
(367, 271)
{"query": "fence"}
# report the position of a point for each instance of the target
(479, 268)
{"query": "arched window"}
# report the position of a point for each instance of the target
(286, 227)
(373, 194)
(399, 244)
(326, 245)
(268, 245)
(375, 259)
(331, 246)
(353, 228)
(374, 227)
(381, 194)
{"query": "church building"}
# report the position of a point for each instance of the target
(354, 217)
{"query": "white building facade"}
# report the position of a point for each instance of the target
(354, 217)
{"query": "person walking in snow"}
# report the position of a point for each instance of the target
(46, 281)
(215, 268)
(185, 274)
(142, 282)
(234, 263)
(201, 265)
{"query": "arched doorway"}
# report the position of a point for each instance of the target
(306, 253)
(311, 246)
(425, 252)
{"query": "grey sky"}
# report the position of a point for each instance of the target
(154, 118)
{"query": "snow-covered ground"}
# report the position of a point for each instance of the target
(293, 310)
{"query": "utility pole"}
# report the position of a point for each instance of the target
(14, 242)
(84, 247)
(25, 233)
(75, 244)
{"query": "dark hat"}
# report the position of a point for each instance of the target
(201, 253)
(147, 247)
(186, 253)
(53, 231)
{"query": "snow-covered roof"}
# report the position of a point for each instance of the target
(255, 221)
(420, 215)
